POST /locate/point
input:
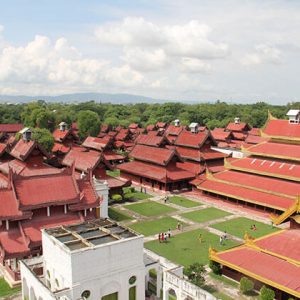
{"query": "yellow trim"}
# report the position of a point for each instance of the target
(212, 177)
(255, 276)
(228, 165)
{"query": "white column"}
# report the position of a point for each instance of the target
(7, 224)
(48, 211)
(158, 281)
(85, 212)
(65, 208)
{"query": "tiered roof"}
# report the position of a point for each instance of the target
(273, 260)
(11, 128)
(97, 143)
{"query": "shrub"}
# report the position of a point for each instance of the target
(153, 273)
(246, 285)
(116, 197)
(128, 196)
(132, 189)
(195, 273)
(266, 293)
(215, 267)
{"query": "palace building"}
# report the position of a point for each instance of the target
(268, 177)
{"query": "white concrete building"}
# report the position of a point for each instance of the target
(96, 260)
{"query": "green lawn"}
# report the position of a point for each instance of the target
(205, 215)
(239, 226)
(136, 195)
(6, 290)
(150, 208)
(153, 227)
(185, 248)
(117, 215)
(114, 173)
(181, 201)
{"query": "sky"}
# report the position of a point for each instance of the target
(186, 50)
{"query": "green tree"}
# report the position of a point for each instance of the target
(266, 293)
(246, 285)
(88, 123)
(195, 273)
(215, 267)
(43, 137)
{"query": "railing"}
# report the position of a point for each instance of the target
(186, 287)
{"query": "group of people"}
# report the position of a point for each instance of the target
(253, 227)
(164, 236)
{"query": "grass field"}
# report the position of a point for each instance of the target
(181, 201)
(150, 208)
(239, 226)
(153, 227)
(6, 290)
(114, 173)
(136, 195)
(205, 215)
(185, 248)
(117, 215)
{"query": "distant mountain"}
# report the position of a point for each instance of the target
(83, 97)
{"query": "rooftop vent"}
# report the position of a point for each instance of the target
(26, 134)
(63, 126)
(194, 127)
(177, 122)
(294, 116)
(237, 120)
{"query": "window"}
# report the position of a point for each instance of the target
(113, 296)
(86, 294)
(132, 293)
(132, 279)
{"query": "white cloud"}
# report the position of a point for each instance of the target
(43, 63)
(263, 54)
(145, 60)
(194, 65)
(147, 46)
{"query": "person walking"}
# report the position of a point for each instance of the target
(159, 237)
(169, 233)
(162, 237)
(166, 237)
(221, 240)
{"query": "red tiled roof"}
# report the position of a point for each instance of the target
(150, 127)
(160, 125)
(239, 135)
(272, 268)
(110, 155)
(220, 135)
(88, 196)
(112, 133)
(122, 135)
(133, 126)
(267, 184)
(189, 153)
(254, 131)
(285, 243)
(60, 148)
(11, 128)
(32, 228)
(193, 167)
(247, 195)
(159, 156)
(192, 140)
(52, 189)
(97, 143)
(158, 173)
(174, 130)
(13, 243)
(268, 167)
(115, 183)
(282, 128)
(9, 208)
(23, 149)
(2, 148)
(84, 160)
(238, 126)
(277, 150)
(61, 135)
(254, 139)
(3, 181)
(150, 140)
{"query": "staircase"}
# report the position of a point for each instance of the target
(295, 208)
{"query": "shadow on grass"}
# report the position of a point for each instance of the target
(209, 288)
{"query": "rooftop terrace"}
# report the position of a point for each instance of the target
(90, 234)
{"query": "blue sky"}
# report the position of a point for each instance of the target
(231, 50)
